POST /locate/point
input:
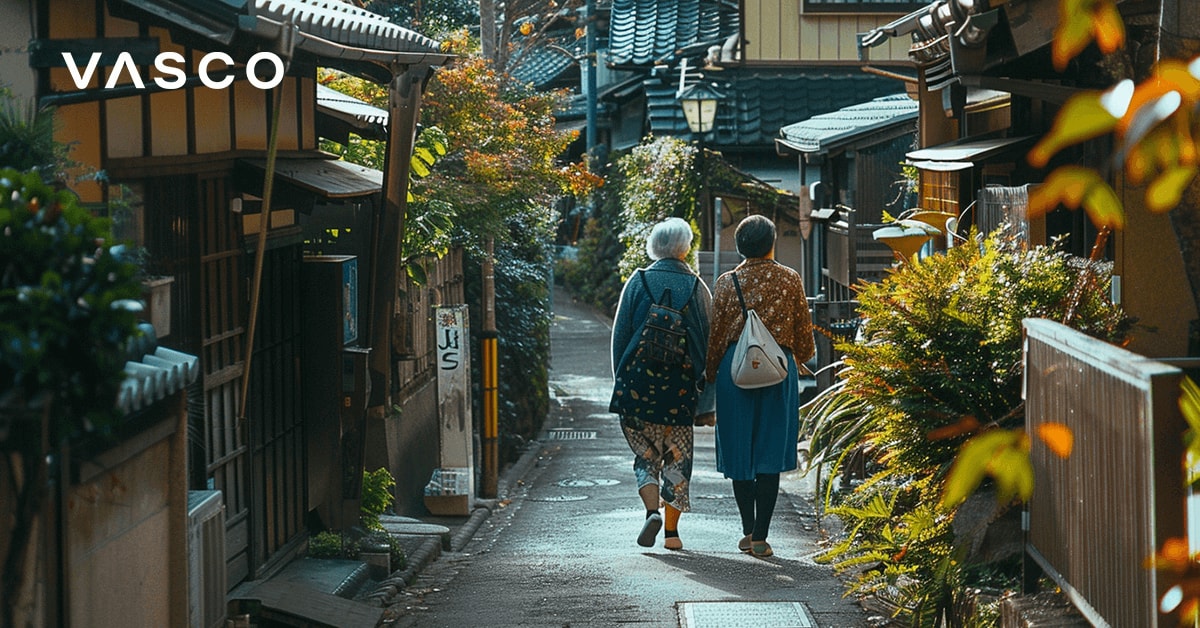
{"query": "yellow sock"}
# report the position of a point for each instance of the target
(671, 521)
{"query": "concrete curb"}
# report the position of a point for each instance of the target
(431, 548)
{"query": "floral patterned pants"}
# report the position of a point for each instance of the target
(662, 451)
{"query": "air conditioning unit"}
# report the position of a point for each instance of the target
(206, 559)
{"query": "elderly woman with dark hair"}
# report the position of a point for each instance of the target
(757, 428)
(662, 441)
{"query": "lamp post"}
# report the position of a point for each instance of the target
(699, 102)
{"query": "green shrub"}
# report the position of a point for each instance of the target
(939, 360)
(64, 314)
(330, 545)
(376, 496)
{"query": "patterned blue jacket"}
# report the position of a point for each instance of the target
(634, 305)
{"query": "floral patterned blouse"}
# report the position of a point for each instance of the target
(776, 292)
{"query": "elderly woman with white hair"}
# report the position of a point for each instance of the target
(660, 431)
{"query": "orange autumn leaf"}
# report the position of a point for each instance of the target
(1174, 555)
(1058, 437)
(965, 425)
(1107, 27)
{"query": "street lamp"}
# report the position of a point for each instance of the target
(699, 102)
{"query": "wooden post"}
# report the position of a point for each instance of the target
(403, 103)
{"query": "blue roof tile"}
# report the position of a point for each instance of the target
(759, 103)
(821, 132)
(644, 31)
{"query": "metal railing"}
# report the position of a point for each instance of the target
(1096, 516)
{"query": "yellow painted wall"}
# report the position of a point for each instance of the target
(1155, 288)
(158, 124)
(778, 31)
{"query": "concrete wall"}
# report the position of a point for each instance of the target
(126, 531)
(408, 445)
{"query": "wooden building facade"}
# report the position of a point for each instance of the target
(183, 167)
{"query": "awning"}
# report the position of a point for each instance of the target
(339, 114)
(962, 154)
(330, 178)
(822, 133)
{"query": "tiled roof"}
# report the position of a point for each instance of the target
(154, 372)
(359, 112)
(760, 103)
(644, 31)
(337, 32)
(345, 24)
(543, 64)
(821, 132)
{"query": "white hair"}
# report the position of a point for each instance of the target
(671, 238)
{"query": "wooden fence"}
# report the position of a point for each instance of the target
(1099, 514)
(414, 317)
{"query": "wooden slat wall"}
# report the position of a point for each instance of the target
(222, 328)
(273, 413)
(777, 31)
(445, 287)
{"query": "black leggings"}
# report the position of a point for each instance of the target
(756, 503)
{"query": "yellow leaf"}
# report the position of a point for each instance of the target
(1013, 472)
(1082, 118)
(425, 154)
(1103, 206)
(1107, 27)
(1073, 34)
(1075, 186)
(580, 33)
(1165, 191)
(975, 460)
(1058, 437)
(419, 168)
(526, 28)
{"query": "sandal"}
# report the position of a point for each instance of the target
(744, 544)
(761, 549)
(650, 530)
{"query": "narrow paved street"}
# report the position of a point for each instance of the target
(562, 551)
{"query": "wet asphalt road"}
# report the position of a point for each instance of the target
(562, 552)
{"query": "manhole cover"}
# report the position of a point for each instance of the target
(568, 434)
(750, 614)
(559, 498)
(580, 483)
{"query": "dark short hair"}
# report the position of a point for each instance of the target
(755, 236)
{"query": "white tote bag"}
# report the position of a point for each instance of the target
(758, 361)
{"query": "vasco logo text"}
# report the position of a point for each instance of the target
(169, 64)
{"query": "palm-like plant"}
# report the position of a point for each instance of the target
(938, 362)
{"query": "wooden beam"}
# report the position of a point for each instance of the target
(404, 103)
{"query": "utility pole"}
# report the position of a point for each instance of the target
(490, 464)
(589, 21)
(487, 28)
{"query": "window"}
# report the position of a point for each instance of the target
(939, 191)
(861, 6)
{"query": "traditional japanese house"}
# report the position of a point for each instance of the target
(197, 124)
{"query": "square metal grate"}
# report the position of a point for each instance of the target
(569, 434)
(748, 614)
